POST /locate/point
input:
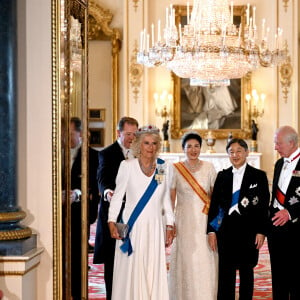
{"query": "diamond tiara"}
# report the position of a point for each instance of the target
(147, 129)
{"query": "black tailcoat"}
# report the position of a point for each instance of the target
(109, 162)
(236, 235)
(93, 201)
(284, 241)
(110, 159)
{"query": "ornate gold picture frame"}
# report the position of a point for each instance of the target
(186, 115)
(96, 137)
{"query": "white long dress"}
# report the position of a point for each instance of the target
(143, 274)
(217, 106)
(193, 266)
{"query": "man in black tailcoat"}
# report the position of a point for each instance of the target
(238, 221)
(109, 162)
(283, 240)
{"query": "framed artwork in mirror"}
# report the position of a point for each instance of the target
(220, 109)
(96, 137)
(96, 114)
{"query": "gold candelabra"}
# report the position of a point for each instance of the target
(163, 110)
(162, 104)
(256, 104)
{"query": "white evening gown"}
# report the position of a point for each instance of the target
(217, 106)
(193, 266)
(143, 274)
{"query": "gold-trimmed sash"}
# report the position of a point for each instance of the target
(191, 180)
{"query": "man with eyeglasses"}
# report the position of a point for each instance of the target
(238, 221)
(109, 162)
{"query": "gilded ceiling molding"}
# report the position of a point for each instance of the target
(136, 72)
(286, 73)
(285, 4)
(135, 4)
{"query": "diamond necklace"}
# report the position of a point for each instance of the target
(147, 170)
(192, 168)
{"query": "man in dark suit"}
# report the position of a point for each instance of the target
(109, 162)
(283, 240)
(238, 221)
(93, 197)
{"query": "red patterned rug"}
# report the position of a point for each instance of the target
(96, 286)
(262, 276)
(262, 282)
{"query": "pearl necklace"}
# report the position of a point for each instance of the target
(192, 168)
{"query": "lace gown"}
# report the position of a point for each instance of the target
(143, 274)
(193, 266)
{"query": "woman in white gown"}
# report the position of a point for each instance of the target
(216, 105)
(142, 274)
(193, 266)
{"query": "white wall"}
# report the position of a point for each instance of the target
(277, 111)
(34, 130)
(100, 84)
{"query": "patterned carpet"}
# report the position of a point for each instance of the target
(262, 283)
(96, 285)
(262, 275)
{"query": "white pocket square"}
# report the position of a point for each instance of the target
(253, 186)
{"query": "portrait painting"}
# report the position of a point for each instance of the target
(221, 109)
(97, 114)
(96, 137)
(215, 107)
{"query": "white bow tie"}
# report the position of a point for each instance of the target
(236, 171)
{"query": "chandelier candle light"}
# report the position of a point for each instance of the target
(210, 49)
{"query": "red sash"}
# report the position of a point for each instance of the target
(280, 196)
(198, 189)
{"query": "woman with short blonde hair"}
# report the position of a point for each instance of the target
(140, 264)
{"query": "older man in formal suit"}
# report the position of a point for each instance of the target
(238, 221)
(283, 240)
(109, 162)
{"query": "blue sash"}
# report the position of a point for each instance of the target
(217, 221)
(235, 198)
(126, 246)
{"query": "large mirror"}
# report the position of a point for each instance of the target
(69, 148)
(72, 188)
(217, 109)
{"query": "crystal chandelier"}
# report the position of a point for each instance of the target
(210, 49)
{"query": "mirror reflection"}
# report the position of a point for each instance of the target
(78, 188)
(75, 195)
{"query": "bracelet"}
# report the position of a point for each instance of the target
(169, 227)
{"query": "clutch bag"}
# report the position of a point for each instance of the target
(122, 229)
